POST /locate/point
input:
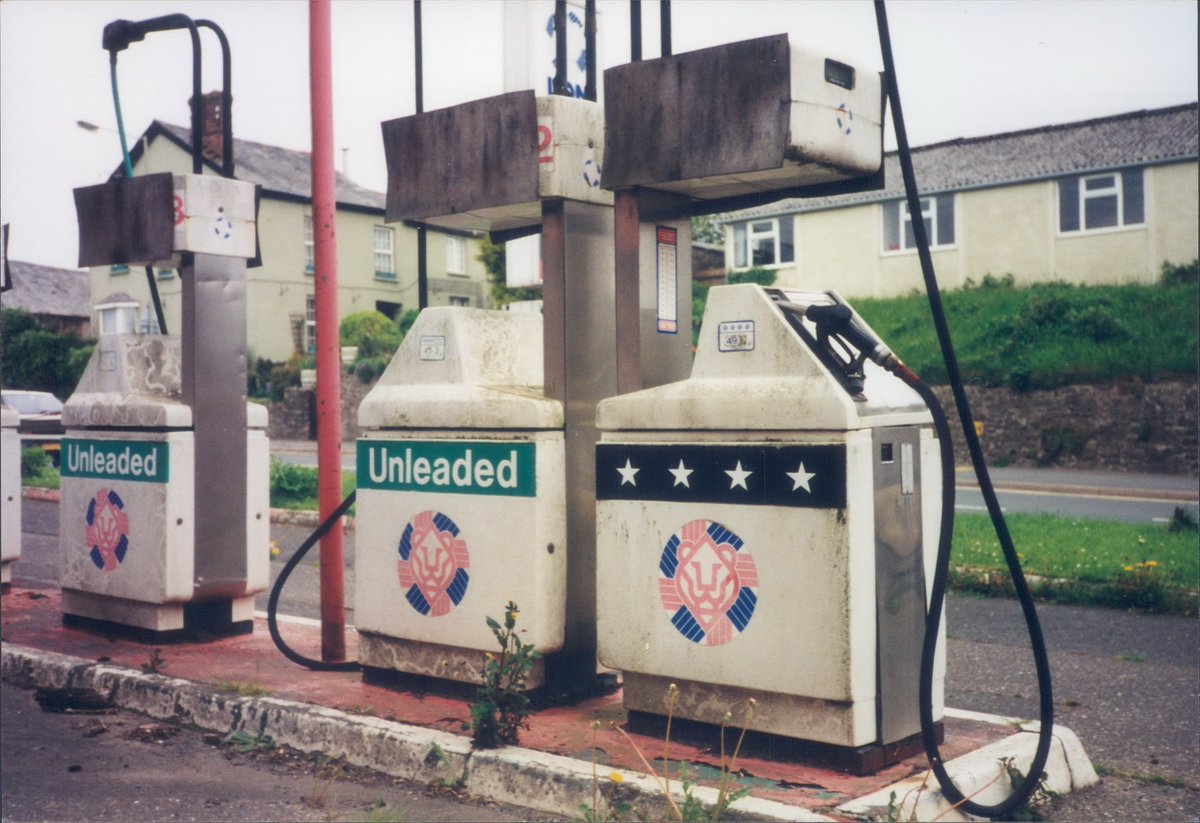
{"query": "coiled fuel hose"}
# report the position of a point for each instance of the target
(273, 602)
(1025, 789)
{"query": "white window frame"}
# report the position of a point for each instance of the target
(456, 255)
(458, 300)
(109, 315)
(929, 211)
(310, 252)
(1115, 189)
(384, 244)
(310, 324)
(750, 234)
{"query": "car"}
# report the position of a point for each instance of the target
(41, 418)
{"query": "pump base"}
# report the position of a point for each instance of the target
(429, 663)
(157, 622)
(856, 760)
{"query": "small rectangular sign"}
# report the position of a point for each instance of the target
(141, 461)
(449, 466)
(433, 347)
(668, 276)
(736, 335)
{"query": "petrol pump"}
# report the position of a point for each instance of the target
(10, 494)
(164, 518)
(764, 526)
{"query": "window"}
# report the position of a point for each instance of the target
(148, 321)
(384, 267)
(310, 324)
(456, 255)
(166, 274)
(1101, 201)
(459, 300)
(309, 256)
(937, 213)
(764, 243)
(117, 318)
(118, 268)
(390, 310)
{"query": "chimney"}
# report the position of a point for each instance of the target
(212, 120)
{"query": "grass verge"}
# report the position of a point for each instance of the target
(1074, 560)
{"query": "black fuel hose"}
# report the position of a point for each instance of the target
(1026, 788)
(273, 602)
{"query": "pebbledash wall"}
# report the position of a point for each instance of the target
(1127, 426)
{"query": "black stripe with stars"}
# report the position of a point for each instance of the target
(756, 475)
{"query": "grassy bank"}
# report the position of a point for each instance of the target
(1071, 560)
(1047, 335)
(295, 487)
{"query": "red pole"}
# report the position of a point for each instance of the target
(329, 402)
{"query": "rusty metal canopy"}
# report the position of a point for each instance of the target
(126, 221)
(721, 110)
(476, 155)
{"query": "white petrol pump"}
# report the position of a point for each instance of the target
(164, 518)
(10, 494)
(765, 528)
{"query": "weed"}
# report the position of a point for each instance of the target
(368, 710)
(1132, 657)
(1061, 440)
(155, 664)
(1040, 795)
(330, 771)
(1182, 521)
(610, 809)
(379, 812)
(245, 742)
(1179, 274)
(241, 689)
(501, 706)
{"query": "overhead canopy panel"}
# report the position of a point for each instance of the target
(741, 119)
(486, 165)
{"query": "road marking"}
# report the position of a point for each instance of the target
(1083, 495)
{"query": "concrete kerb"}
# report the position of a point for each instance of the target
(537, 780)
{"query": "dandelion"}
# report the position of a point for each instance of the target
(1150, 564)
(1141, 540)
(1129, 568)
(616, 777)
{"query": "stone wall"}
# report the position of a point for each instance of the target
(1128, 426)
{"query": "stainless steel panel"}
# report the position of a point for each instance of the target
(214, 385)
(666, 357)
(579, 333)
(899, 580)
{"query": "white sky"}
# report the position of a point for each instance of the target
(966, 68)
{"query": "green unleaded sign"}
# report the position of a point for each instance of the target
(451, 466)
(138, 460)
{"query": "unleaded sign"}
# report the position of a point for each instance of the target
(141, 461)
(451, 466)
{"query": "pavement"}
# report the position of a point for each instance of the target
(420, 736)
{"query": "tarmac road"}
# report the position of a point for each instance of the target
(1128, 684)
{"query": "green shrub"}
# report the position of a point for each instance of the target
(372, 332)
(1180, 274)
(287, 374)
(759, 275)
(33, 461)
(368, 370)
(39, 358)
(292, 482)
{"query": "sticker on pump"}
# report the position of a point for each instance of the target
(433, 565)
(708, 583)
(107, 530)
(735, 335)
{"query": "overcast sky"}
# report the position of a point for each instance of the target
(966, 68)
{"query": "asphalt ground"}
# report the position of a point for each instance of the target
(1128, 684)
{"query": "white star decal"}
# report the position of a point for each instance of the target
(627, 473)
(800, 478)
(737, 476)
(681, 475)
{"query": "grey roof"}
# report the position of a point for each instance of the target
(276, 169)
(49, 291)
(1131, 139)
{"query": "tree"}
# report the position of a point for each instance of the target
(38, 358)
(707, 229)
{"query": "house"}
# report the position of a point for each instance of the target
(1099, 201)
(59, 298)
(377, 262)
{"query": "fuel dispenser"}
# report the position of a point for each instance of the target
(10, 494)
(512, 164)
(764, 531)
(164, 518)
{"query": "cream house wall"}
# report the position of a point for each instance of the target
(277, 291)
(999, 230)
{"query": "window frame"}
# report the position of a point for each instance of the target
(310, 248)
(117, 310)
(310, 324)
(458, 300)
(459, 256)
(388, 252)
(1120, 190)
(745, 234)
(936, 229)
